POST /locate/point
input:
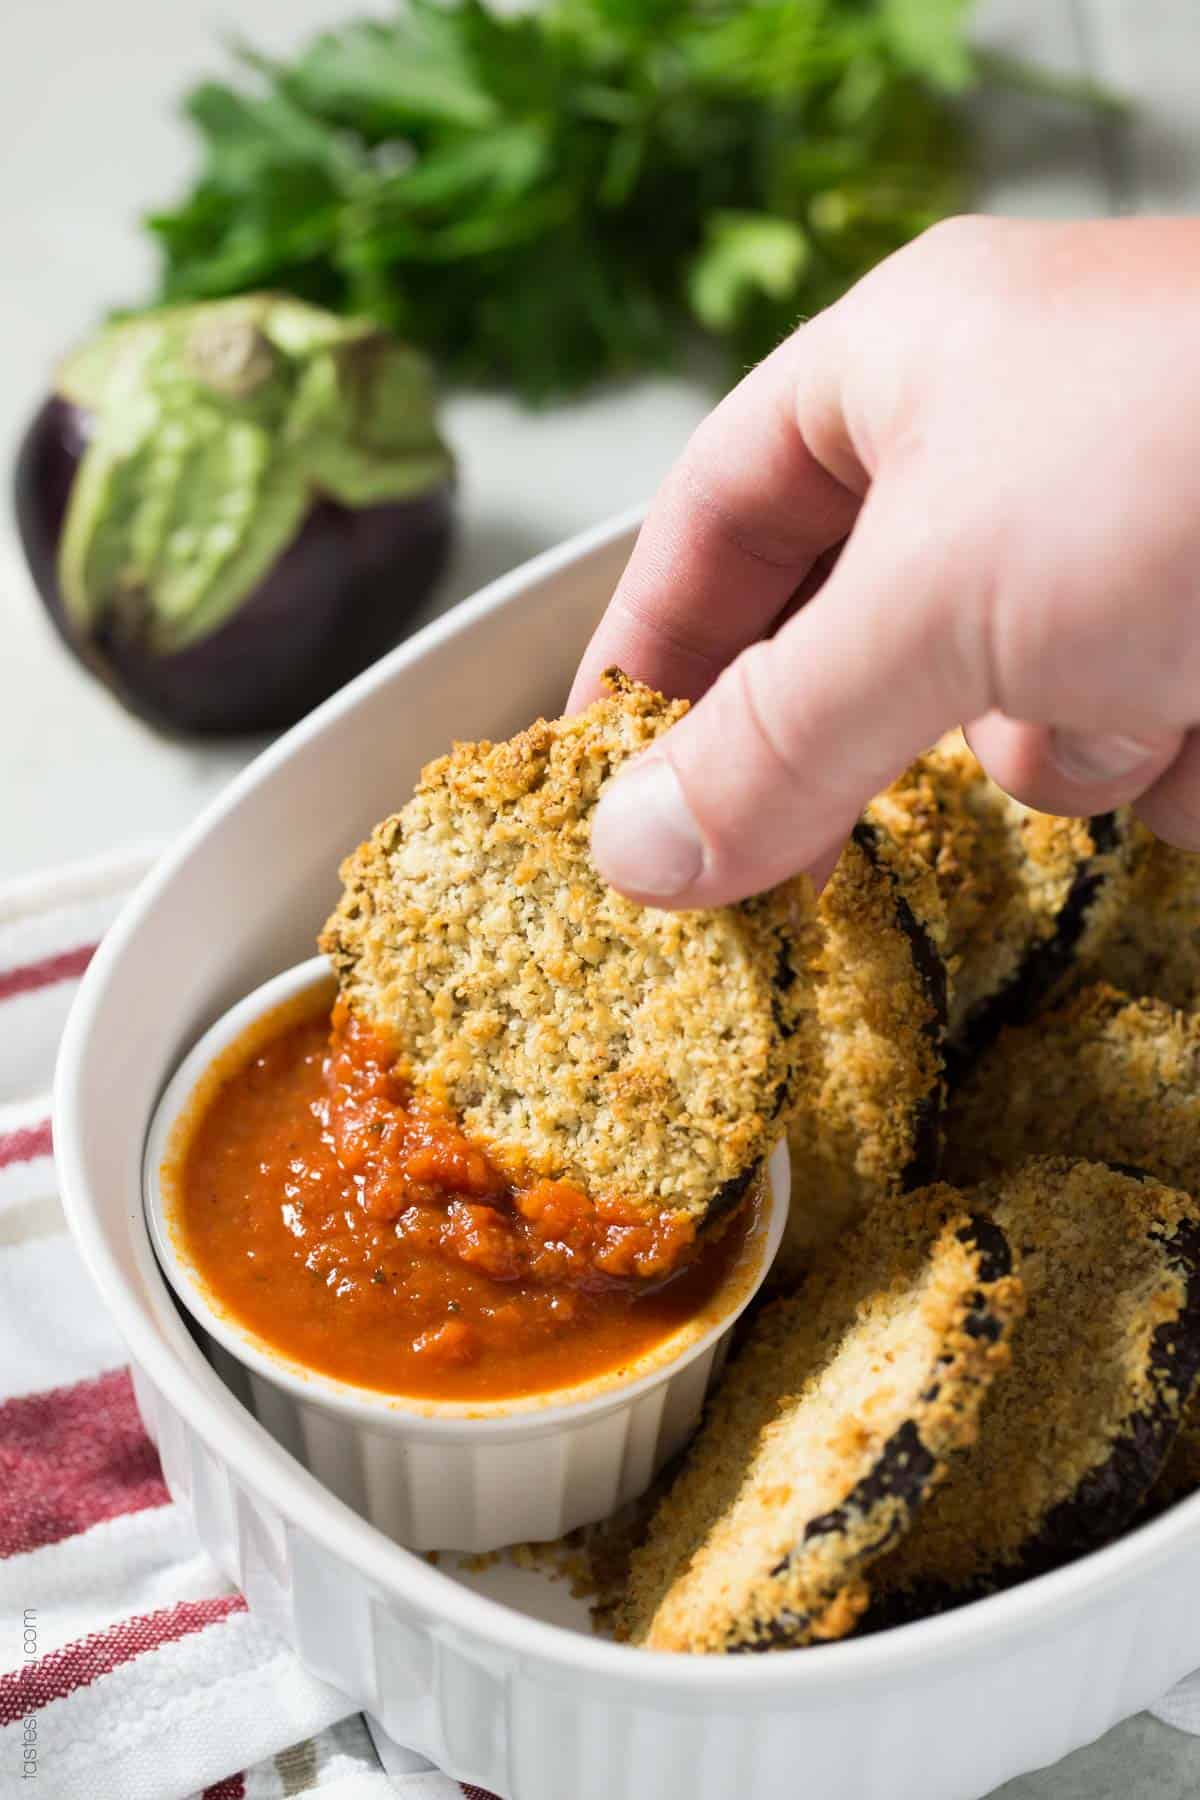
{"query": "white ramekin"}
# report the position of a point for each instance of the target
(449, 1475)
(499, 1689)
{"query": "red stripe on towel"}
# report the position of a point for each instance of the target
(232, 1788)
(25, 1145)
(70, 1457)
(78, 1665)
(66, 966)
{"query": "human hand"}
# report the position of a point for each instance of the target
(970, 490)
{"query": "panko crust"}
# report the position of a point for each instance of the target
(1102, 1076)
(1153, 946)
(647, 1055)
(1076, 1431)
(872, 1123)
(829, 1430)
(1027, 896)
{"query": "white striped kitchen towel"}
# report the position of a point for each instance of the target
(129, 1669)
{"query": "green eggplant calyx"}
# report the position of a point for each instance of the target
(214, 430)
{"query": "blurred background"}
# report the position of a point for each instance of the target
(1053, 107)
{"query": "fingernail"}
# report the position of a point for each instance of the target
(644, 837)
(1089, 760)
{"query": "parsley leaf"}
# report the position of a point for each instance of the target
(745, 255)
(545, 199)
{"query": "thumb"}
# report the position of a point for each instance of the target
(768, 772)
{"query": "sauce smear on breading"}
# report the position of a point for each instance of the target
(348, 1221)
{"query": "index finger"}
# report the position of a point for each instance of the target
(733, 532)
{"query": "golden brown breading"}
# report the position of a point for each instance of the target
(871, 1125)
(1153, 946)
(828, 1430)
(1075, 1432)
(1102, 1076)
(1026, 895)
(646, 1054)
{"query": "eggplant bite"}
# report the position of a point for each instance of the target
(871, 1123)
(1027, 896)
(652, 1056)
(1102, 1076)
(829, 1432)
(1076, 1431)
(1154, 945)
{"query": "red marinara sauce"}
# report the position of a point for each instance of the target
(348, 1221)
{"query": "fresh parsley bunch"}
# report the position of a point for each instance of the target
(557, 196)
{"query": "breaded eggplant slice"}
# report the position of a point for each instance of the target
(1106, 1077)
(1074, 1434)
(872, 1124)
(646, 1055)
(829, 1430)
(1027, 896)
(1153, 946)
(1102, 1076)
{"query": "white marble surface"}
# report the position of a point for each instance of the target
(88, 140)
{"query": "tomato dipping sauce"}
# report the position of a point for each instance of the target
(349, 1222)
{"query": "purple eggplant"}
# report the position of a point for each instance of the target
(351, 530)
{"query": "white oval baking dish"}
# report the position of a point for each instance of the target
(454, 1475)
(941, 1710)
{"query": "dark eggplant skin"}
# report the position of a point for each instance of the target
(336, 598)
(925, 1162)
(906, 1466)
(1049, 963)
(1111, 1493)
